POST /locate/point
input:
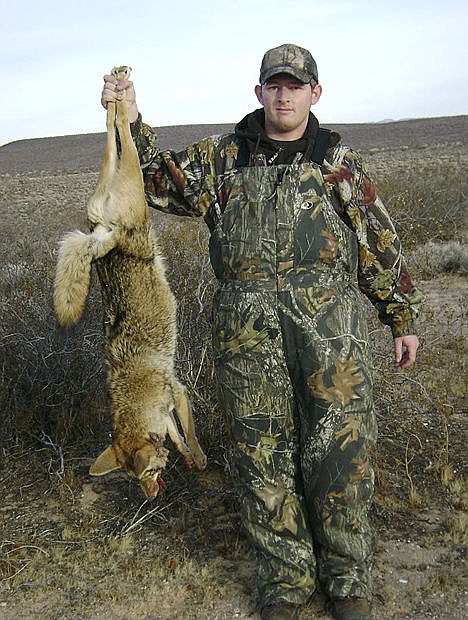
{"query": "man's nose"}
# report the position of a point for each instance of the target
(283, 94)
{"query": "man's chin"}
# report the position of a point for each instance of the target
(285, 131)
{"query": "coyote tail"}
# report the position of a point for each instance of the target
(77, 251)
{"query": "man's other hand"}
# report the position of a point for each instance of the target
(405, 348)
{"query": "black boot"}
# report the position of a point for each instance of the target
(350, 608)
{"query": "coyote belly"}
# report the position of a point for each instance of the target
(139, 315)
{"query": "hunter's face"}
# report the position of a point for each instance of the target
(287, 102)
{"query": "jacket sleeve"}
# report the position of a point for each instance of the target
(382, 272)
(178, 183)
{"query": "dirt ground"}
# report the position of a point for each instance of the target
(83, 548)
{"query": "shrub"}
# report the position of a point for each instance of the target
(427, 200)
(432, 258)
(52, 379)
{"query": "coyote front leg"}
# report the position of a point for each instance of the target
(184, 413)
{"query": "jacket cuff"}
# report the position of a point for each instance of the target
(136, 126)
(404, 328)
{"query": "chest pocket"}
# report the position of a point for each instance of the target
(243, 242)
(322, 241)
(278, 221)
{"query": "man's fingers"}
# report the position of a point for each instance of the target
(107, 96)
(124, 84)
(113, 90)
(397, 350)
(108, 91)
(112, 83)
(409, 356)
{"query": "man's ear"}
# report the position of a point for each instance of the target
(316, 93)
(105, 463)
(258, 92)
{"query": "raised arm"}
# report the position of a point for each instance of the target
(177, 183)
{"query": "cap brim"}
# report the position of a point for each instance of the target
(302, 76)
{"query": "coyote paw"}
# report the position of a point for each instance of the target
(121, 73)
(200, 461)
(191, 460)
(188, 460)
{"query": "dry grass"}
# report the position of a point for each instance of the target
(82, 543)
(433, 258)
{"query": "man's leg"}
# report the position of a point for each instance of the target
(339, 505)
(329, 365)
(255, 391)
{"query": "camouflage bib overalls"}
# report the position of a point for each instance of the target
(292, 368)
(290, 345)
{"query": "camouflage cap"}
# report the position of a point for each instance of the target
(291, 59)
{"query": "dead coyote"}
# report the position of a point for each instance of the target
(139, 311)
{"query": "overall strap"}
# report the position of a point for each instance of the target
(321, 145)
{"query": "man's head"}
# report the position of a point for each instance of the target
(288, 87)
(292, 60)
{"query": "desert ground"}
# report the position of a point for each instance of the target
(74, 547)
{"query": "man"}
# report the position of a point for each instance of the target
(296, 230)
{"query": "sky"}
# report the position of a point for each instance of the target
(197, 61)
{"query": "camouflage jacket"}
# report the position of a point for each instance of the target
(200, 180)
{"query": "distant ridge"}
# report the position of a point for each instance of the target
(84, 152)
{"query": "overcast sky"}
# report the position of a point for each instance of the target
(198, 61)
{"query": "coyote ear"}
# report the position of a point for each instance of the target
(105, 463)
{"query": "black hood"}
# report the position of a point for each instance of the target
(251, 130)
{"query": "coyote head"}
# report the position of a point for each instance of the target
(144, 463)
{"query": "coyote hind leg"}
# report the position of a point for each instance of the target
(128, 200)
(98, 201)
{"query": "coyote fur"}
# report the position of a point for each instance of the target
(139, 314)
